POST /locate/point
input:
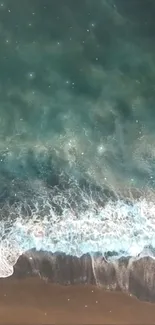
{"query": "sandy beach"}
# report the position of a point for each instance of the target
(34, 301)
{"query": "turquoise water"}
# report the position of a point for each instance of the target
(77, 139)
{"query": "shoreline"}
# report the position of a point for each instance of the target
(127, 274)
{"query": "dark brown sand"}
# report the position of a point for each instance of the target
(34, 301)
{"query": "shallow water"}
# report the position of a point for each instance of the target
(77, 91)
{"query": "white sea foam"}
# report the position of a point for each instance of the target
(116, 227)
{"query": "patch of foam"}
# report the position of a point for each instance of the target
(117, 226)
(9, 254)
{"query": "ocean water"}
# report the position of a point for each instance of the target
(77, 127)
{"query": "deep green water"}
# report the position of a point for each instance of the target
(77, 89)
(77, 108)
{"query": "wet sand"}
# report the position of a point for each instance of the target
(36, 301)
(127, 274)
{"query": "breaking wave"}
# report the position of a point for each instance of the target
(76, 221)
